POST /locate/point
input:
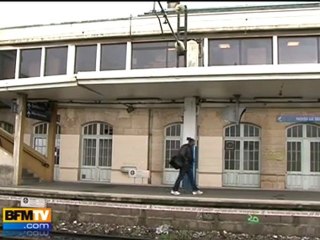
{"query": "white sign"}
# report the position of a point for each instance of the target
(33, 202)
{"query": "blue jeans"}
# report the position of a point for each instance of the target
(184, 171)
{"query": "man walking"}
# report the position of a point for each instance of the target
(186, 153)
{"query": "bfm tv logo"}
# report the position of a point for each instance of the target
(36, 219)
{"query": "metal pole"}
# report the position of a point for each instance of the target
(185, 39)
(166, 17)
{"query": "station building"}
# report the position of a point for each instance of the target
(246, 88)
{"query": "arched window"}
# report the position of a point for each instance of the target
(242, 155)
(173, 135)
(97, 144)
(303, 157)
(7, 127)
(242, 147)
(303, 148)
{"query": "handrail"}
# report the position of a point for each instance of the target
(29, 150)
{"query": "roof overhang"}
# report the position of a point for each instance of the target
(251, 82)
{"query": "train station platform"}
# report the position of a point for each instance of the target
(238, 210)
(226, 197)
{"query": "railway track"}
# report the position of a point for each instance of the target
(55, 235)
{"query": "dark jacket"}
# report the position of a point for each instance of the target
(186, 151)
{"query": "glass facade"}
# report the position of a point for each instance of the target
(154, 55)
(240, 51)
(56, 61)
(30, 61)
(146, 55)
(85, 58)
(8, 64)
(113, 57)
(298, 50)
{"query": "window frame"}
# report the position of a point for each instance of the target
(305, 144)
(240, 140)
(167, 62)
(45, 59)
(15, 62)
(96, 63)
(97, 137)
(111, 44)
(168, 153)
(317, 50)
(239, 50)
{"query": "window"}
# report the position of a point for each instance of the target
(85, 58)
(303, 148)
(154, 55)
(242, 147)
(97, 144)
(173, 135)
(297, 50)
(240, 51)
(7, 64)
(40, 138)
(30, 60)
(113, 56)
(56, 61)
(40, 131)
(7, 127)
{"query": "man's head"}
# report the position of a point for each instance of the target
(191, 141)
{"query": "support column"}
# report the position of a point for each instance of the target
(18, 139)
(52, 142)
(190, 118)
(190, 130)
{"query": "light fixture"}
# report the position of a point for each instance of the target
(224, 45)
(130, 108)
(179, 45)
(293, 44)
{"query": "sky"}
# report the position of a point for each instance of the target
(30, 13)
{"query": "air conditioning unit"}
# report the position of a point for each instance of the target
(229, 145)
(132, 172)
(125, 169)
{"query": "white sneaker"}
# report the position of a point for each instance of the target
(176, 193)
(198, 192)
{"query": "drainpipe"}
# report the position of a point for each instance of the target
(150, 125)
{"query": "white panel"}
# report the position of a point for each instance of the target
(170, 176)
(88, 174)
(104, 174)
(234, 179)
(192, 54)
(303, 182)
(313, 182)
(56, 174)
(206, 52)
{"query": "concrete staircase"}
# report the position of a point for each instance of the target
(35, 166)
(29, 177)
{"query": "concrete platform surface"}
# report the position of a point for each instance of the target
(212, 197)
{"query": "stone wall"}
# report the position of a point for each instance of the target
(274, 222)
